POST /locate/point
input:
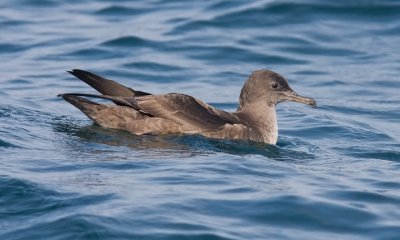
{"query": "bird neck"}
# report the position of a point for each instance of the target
(261, 117)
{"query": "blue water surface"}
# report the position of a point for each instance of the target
(334, 174)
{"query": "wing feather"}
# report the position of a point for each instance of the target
(106, 86)
(186, 110)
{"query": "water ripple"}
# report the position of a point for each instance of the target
(116, 10)
(129, 41)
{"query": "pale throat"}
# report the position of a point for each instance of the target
(264, 120)
(272, 127)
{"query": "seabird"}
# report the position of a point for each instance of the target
(175, 113)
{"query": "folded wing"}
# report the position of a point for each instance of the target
(186, 110)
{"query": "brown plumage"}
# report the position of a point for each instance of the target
(174, 113)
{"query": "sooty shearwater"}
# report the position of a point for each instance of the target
(174, 113)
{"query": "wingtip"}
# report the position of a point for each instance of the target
(74, 71)
(65, 95)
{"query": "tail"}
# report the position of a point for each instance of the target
(122, 101)
(88, 107)
(108, 116)
(105, 115)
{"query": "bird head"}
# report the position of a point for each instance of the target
(271, 88)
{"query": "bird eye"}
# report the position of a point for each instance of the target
(274, 85)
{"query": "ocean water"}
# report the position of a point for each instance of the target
(334, 173)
